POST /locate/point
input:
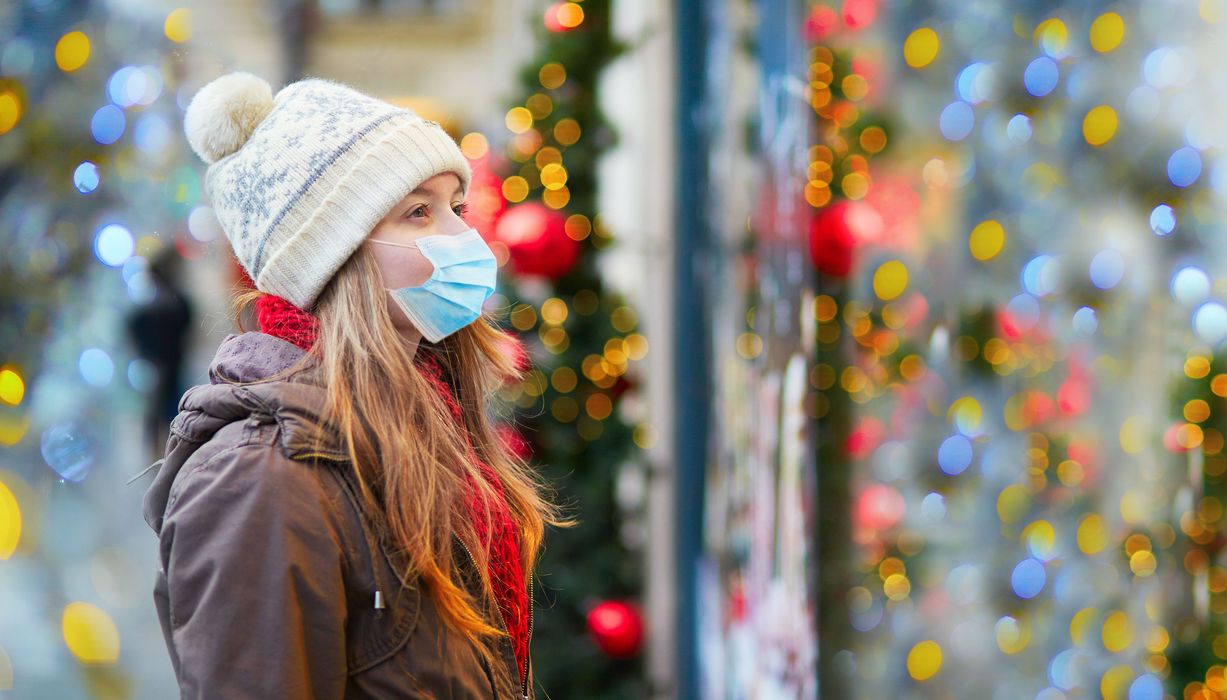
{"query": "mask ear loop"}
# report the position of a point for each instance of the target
(398, 245)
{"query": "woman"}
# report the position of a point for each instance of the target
(337, 515)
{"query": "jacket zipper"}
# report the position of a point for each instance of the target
(528, 645)
(503, 621)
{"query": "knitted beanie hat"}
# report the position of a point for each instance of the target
(299, 180)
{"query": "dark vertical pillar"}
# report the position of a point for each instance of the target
(691, 363)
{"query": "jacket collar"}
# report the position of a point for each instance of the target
(247, 381)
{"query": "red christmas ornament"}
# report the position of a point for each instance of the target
(617, 628)
(537, 241)
(831, 239)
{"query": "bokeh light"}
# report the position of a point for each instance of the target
(85, 177)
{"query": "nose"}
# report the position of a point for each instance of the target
(454, 225)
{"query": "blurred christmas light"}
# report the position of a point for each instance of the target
(72, 51)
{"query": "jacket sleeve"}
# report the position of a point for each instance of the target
(254, 570)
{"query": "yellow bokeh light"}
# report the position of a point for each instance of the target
(577, 227)
(548, 156)
(1039, 537)
(10, 111)
(873, 140)
(1195, 411)
(1218, 385)
(515, 188)
(178, 26)
(1143, 563)
(1132, 435)
(890, 280)
(90, 634)
(966, 413)
(1133, 506)
(924, 660)
(474, 145)
(12, 388)
(986, 240)
(598, 406)
(749, 345)
(13, 428)
(1212, 11)
(1117, 632)
(554, 176)
(1107, 32)
(897, 587)
(570, 15)
(1012, 502)
(564, 379)
(10, 522)
(1092, 534)
(552, 75)
(921, 47)
(855, 87)
(566, 131)
(1012, 636)
(554, 310)
(519, 119)
(855, 185)
(1115, 682)
(72, 51)
(1052, 35)
(1197, 366)
(1080, 625)
(556, 199)
(540, 105)
(1099, 125)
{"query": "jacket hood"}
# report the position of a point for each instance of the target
(243, 385)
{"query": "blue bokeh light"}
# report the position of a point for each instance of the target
(957, 121)
(1162, 220)
(1210, 322)
(1018, 129)
(96, 367)
(1184, 167)
(1028, 578)
(954, 455)
(113, 245)
(1041, 76)
(85, 177)
(1190, 285)
(1107, 269)
(1085, 321)
(66, 450)
(108, 124)
(1146, 687)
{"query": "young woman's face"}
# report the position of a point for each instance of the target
(434, 208)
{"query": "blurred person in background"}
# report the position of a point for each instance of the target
(337, 516)
(160, 330)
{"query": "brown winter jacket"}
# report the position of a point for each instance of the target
(269, 584)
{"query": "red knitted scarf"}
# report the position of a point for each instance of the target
(280, 318)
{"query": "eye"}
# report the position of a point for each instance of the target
(461, 209)
(415, 210)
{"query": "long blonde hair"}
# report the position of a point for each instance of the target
(412, 463)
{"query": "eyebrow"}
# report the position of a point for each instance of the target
(424, 189)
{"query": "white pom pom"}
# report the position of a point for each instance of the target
(223, 114)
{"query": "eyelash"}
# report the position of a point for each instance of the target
(460, 210)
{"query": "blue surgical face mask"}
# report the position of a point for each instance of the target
(465, 276)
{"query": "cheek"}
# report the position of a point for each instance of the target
(402, 267)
